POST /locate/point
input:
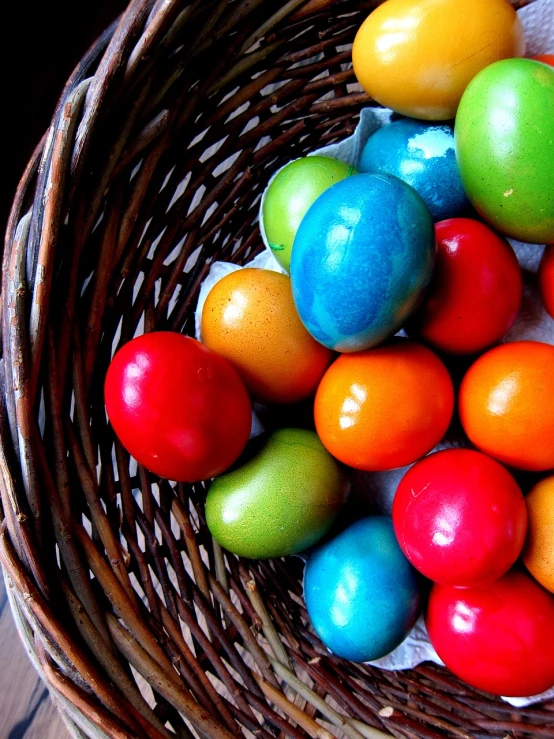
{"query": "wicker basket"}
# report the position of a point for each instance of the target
(154, 164)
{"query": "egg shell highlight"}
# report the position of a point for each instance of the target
(282, 501)
(505, 148)
(362, 257)
(361, 593)
(422, 155)
(418, 56)
(289, 195)
(249, 317)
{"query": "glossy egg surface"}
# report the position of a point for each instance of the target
(362, 257)
(178, 407)
(418, 56)
(249, 317)
(423, 155)
(385, 407)
(506, 404)
(538, 554)
(497, 637)
(280, 502)
(290, 194)
(505, 148)
(460, 517)
(476, 290)
(361, 592)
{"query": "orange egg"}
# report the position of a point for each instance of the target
(546, 279)
(385, 407)
(249, 317)
(538, 553)
(507, 404)
(418, 56)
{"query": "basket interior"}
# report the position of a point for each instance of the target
(153, 167)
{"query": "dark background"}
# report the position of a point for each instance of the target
(41, 43)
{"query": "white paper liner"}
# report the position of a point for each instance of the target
(533, 323)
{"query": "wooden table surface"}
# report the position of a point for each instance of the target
(26, 711)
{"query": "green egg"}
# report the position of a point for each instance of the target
(505, 148)
(281, 502)
(289, 196)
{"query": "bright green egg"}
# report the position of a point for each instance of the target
(289, 196)
(505, 147)
(281, 502)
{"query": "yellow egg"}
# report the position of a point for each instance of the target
(418, 56)
(538, 553)
(249, 317)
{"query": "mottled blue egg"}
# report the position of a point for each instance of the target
(362, 256)
(361, 592)
(422, 154)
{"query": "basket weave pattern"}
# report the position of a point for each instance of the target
(157, 155)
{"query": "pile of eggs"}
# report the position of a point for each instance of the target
(411, 240)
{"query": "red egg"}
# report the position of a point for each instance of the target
(496, 637)
(460, 517)
(545, 59)
(178, 407)
(546, 279)
(476, 289)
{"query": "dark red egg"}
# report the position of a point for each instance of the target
(178, 407)
(476, 289)
(496, 637)
(460, 517)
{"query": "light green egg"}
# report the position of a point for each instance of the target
(505, 148)
(289, 196)
(283, 501)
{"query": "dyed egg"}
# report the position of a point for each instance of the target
(280, 502)
(538, 554)
(506, 404)
(290, 194)
(361, 593)
(423, 155)
(179, 408)
(546, 279)
(505, 148)
(476, 289)
(362, 257)
(418, 56)
(249, 317)
(545, 59)
(385, 407)
(497, 637)
(460, 517)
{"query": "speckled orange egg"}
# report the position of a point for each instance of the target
(538, 554)
(249, 317)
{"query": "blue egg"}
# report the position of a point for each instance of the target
(362, 256)
(422, 154)
(361, 592)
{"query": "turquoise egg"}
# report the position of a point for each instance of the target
(423, 155)
(362, 257)
(361, 592)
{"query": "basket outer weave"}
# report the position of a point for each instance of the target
(156, 158)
